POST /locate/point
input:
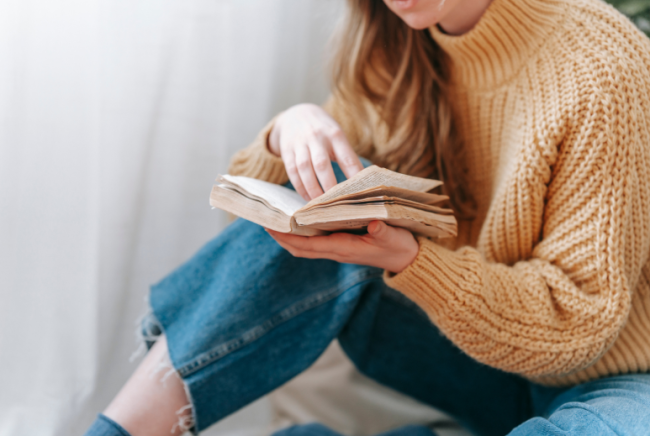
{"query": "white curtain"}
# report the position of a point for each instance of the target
(115, 118)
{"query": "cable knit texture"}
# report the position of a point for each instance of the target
(552, 279)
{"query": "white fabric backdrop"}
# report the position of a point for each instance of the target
(115, 117)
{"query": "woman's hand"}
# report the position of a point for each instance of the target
(386, 247)
(308, 139)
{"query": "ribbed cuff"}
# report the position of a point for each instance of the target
(437, 276)
(258, 162)
(105, 426)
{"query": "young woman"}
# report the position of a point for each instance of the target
(536, 114)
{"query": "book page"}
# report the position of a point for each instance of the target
(422, 229)
(377, 210)
(372, 177)
(361, 223)
(250, 208)
(276, 196)
(345, 205)
(382, 191)
(354, 217)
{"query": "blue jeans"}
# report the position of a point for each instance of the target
(243, 316)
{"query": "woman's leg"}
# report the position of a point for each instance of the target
(157, 395)
(393, 342)
(239, 319)
(244, 316)
(614, 406)
(396, 345)
(321, 430)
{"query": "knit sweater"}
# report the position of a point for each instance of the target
(551, 280)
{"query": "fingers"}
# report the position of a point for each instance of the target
(309, 168)
(322, 165)
(312, 243)
(306, 172)
(384, 246)
(377, 229)
(289, 159)
(308, 140)
(315, 247)
(294, 245)
(343, 153)
(381, 233)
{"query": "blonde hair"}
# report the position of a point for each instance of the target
(402, 74)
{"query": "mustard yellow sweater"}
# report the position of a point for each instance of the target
(552, 279)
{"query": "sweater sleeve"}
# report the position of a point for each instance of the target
(258, 162)
(561, 309)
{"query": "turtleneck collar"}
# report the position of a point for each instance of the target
(497, 47)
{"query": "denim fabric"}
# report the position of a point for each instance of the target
(320, 430)
(243, 316)
(105, 426)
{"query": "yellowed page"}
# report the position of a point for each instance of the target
(372, 177)
(347, 206)
(378, 210)
(421, 228)
(382, 191)
(349, 217)
(278, 197)
(251, 209)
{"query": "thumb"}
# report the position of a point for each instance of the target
(378, 229)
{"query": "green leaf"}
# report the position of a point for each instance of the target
(637, 10)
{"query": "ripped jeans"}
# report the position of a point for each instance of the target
(243, 316)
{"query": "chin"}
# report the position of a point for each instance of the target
(420, 22)
(417, 14)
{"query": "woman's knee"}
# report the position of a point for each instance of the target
(614, 406)
(321, 430)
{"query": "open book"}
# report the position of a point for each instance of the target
(372, 194)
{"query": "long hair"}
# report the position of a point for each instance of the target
(383, 65)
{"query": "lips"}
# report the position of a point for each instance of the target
(404, 4)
